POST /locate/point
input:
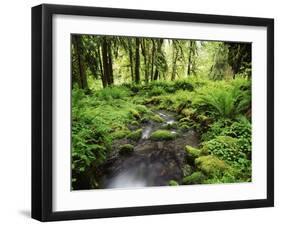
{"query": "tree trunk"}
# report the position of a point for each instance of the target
(105, 62)
(146, 65)
(189, 58)
(104, 84)
(175, 57)
(237, 64)
(156, 73)
(137, 66)
(81, 64)
(110, 64)
(75, 66)
(131, 61)
(152, 60)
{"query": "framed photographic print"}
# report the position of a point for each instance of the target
(146, 112)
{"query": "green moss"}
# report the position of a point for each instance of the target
(226, 177)
(195, 178)
(173, 183)
(184, 120)
(187, 112)
(202, 118)
(135, 135)
(184, 127)
(162, 135)
(119, 134)
(226, 148)
(141, 108)
(195, 152)
(135, 113)
(144, 119)
(211, 165)
(126, 149)
(134, 123)
(156, 118)
(153, 100)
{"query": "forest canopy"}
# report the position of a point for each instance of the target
(159, 112)
(100, 61)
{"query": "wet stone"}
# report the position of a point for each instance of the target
(152, 163)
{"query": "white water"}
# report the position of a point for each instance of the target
(127, 180)
(171, 121)
(146, 132)
(136, 176)
(161, 114)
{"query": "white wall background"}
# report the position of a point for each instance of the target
(15, 103)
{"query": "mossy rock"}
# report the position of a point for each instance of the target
(225, 147)
(195, 152)
(187, 112)
(145, 119)
(141, 108)
(156, 118)
(119, 134)
(211, 165)
(134, 123)
(184, 127)
(195, 178)
(135, 135)
(227, 140)
(202, 118)
(163, 135)
(126, 149)
(173, 183)
(184, 120)
(135, 114)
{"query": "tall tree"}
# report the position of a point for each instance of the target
(79, 50)
(110, 64)
(191, 58)
(220, 61)
(152, 59)
(144, 46)
(239, 57)
(107, 61)
(137, 65)
(175, 54)
(104, 82)
(74, 65)
(160, 60)
(131, 59)
(92, 59)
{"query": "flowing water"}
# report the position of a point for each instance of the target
(153, 163)
(146, 131)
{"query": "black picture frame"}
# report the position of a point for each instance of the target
(42, 111)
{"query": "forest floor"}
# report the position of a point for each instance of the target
(164, 133)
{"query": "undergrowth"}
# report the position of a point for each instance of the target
(218, 110)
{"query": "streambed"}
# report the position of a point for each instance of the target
(152, 163)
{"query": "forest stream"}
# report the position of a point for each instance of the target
(152, 163)
(121, 139)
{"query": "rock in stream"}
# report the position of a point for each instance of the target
(152, 163)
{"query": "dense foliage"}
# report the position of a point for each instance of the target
(118, 83)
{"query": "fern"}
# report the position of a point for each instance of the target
(224, 100)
